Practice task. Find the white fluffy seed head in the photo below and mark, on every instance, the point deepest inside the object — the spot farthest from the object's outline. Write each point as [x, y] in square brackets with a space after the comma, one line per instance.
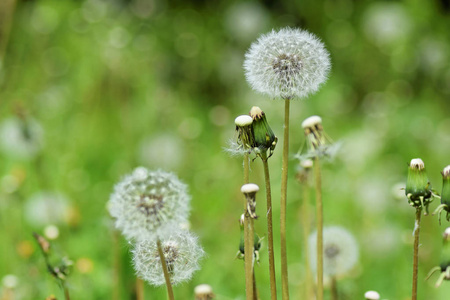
[249, 188]
[147, 203]
[182, 253]
[372, 295]
[51, 232]
[340, 251]
[243, 120]
[21, 138]
[446, 171]
[288, 63]
[417, 163]
[311, 122]
[10, 281]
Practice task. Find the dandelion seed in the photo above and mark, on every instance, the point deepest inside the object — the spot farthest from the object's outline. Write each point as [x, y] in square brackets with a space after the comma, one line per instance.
[147, 203]
[287, 63]
[182, 253]
[340, 251]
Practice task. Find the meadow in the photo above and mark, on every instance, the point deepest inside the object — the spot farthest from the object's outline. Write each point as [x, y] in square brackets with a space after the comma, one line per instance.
[115, 85]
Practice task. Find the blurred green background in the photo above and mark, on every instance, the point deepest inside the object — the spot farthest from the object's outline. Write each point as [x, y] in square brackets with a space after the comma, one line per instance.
[117, 84]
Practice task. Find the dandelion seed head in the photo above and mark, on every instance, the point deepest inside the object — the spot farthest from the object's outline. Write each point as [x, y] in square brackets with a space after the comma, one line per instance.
[10, 281]
[340, 251]
[287, 63]
[203, 292]
[372, 295]
[312, 121]
[147, 203]
[249, 188]
[45, 208]
[417, 163]
[182, 253]
[21, 138]
[446, 171]
[243, 120]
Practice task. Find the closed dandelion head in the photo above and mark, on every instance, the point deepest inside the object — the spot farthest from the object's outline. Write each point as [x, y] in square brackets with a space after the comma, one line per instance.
[21, 137]
[182, 253]
[245, 139]
[372, 295]
[318, 143]
[418, 188]
[264, 137]
[289, 63]
[340, 251]
[445, 195]
[444, 266]
[204, 292]
[146, 204]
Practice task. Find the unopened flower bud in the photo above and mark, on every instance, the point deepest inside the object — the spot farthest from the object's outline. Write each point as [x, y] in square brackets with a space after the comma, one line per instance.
[418, 188]
[249, 190]
[444, 266]
[264, 137]
[203, 292]
[372, 295]
[445, 195]
[244, 128]
[304, 170]
[314, 131]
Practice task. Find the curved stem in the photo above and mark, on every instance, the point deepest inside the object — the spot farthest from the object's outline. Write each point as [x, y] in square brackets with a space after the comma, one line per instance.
[319, 216]
[165, 270]
[273, 282]
[416, 253]
[284, 177]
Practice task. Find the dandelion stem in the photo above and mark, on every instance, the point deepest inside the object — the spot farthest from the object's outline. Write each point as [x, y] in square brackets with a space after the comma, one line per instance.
[319, 217]
[306, 230]
[273, 283]
[334, 290]
[248, 239]
[66, 292]
[165, 270]
[116, 266]
[255, 289]
[284, 177]
[139, 289]
[416, 252]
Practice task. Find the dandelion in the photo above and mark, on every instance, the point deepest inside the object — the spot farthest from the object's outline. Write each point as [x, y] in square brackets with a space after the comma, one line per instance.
[45, 207]
[203, 292]
[340, 251]
[445, 195]
[264, 137]
[146, 204]
[444, 266]
[20, 137]
[287, 63]
[371, 295]
[181, 251]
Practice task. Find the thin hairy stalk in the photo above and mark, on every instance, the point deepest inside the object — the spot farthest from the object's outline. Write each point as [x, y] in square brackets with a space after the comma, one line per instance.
[66, 292]
[284, 177]
[140, 289]
[248, 239]
[334, 290]
[416, 252]
[165, 270]
[7, 9]
[116, 266]
[319, 217]
[273, 282]
[306, 230]
[255, 289]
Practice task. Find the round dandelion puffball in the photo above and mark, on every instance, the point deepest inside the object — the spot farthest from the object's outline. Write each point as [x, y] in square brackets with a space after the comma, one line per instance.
[147, 203]
[21, 138]
[340, 251]
[289, 63]
[182, 253]
[47, 207]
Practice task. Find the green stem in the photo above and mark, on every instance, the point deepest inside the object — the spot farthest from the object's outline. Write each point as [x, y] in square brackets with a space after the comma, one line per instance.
[334, 290]
[66, 292]
[255, 289]
[306, 230]
[319, 216]
[116, 266]
[248, 239]
[6, 19]
[165, 270]
[273, 284]
[416, 252]
[140, 289]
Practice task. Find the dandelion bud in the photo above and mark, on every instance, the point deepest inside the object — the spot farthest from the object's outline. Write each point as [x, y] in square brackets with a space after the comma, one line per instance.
[304, 170]
[182, 253]
[249, 190]
[445, 195]
[264, 137]
[146, 204]
[371, 295]
[244, 128]
[444, 267]
[314, 132]
[256, 243]
[418, 188]
[203, 292]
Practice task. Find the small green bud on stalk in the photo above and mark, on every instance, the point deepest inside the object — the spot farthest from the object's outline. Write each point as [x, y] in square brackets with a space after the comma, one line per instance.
[418, 188]
[371, 295]
[203, 292]
[444, 266]
[256, 243]
[249, 190]
[265, 139]
[445, 195]
[245, 131]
